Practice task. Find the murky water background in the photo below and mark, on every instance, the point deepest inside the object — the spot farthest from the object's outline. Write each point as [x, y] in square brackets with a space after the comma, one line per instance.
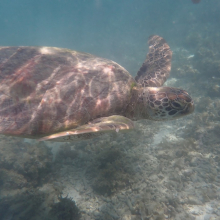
[163, 170]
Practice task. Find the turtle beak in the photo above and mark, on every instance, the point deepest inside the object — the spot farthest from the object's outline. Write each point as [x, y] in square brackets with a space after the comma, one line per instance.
[187, 103]
[189, 109]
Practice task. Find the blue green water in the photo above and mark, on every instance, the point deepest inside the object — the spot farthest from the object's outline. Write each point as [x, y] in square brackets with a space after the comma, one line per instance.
[163, 170]
[112, 29]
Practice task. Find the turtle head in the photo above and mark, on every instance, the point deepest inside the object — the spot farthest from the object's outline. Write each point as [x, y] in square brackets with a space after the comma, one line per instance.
[165, 103]
[159, 103]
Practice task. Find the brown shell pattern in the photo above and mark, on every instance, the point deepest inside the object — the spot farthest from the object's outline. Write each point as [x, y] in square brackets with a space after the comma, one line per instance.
[45, 90]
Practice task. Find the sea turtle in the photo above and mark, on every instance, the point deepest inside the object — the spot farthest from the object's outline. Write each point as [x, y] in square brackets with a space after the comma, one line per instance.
[58, 94]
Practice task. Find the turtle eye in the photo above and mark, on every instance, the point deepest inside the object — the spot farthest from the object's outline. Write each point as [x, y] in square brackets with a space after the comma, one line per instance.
[176, 105]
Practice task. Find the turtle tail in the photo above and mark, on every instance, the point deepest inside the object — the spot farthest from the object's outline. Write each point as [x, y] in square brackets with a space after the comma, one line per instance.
[156, 68]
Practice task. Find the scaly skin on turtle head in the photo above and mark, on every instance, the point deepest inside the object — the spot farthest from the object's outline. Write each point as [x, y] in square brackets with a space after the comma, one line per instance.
[159, 103]
[165, 103]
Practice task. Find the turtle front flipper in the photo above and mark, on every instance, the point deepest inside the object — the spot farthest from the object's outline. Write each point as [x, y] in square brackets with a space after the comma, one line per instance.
[156, 68]
[114, 123]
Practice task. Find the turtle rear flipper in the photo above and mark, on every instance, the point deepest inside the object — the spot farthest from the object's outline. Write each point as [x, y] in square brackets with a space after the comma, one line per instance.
[114, 123]
[156, 68]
